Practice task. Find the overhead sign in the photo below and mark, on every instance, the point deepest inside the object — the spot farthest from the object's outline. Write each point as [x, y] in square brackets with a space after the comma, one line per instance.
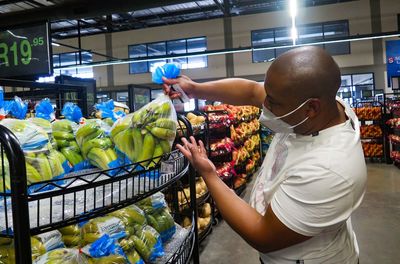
[25, 51]
[392, 59]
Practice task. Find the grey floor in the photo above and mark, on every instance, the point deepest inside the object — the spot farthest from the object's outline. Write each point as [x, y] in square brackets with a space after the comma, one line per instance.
[376, 223]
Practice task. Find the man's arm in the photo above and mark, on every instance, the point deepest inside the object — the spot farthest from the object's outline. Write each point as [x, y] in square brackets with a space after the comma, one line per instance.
[266, 232]
[235, 91]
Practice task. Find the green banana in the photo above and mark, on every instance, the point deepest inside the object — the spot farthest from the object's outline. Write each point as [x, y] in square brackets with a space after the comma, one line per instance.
[165, 123]
[55, 163]
[138, 143]
[62, 135]
[164, 109]
[124, 142]
[153, 222]
[99, 157]
[133, 256]
[32, 174]
[158, 152]
[62, 125]
[62, 143]
[72, 156]
[70, 230]
[37, 247]
[102, 143]
[141, 247]
[118, 128]
[111, 154]
[148, 149]
[163, 133]
[166, 147]
[74, 146]
[84, 131]
[71, 241]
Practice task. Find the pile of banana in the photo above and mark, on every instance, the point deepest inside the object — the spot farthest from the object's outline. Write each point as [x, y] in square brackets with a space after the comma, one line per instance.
[71, 235]
[7, 254]
[61, 256]
[46, 126]
[147, 134]
[42, 161]
[96, 146]
[63, 132]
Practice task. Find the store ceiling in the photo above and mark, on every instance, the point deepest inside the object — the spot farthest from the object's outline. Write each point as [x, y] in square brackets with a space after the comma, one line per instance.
[96, 17]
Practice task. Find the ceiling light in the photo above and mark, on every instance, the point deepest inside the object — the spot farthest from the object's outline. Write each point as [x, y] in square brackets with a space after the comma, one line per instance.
[293, 8]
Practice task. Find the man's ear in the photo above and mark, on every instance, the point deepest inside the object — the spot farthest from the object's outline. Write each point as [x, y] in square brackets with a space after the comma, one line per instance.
[313, 107]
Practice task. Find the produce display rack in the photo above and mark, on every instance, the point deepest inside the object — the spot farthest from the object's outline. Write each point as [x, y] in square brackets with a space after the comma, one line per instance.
[392, 135]
[372, 129]
[69, 201]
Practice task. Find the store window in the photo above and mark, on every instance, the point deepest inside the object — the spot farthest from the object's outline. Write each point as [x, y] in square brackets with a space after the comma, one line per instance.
[70, 59]
[308, 33]
[171, 47]
[357, 87]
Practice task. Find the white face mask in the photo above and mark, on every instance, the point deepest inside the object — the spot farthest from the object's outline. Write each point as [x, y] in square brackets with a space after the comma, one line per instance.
[275, 123]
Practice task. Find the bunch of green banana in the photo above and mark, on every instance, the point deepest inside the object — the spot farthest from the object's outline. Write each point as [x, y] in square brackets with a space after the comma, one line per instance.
[130, 215]
[96, 146]
[144, 241]
[38, 167]
[71, 235]
[61, 256]
[109, 121]
[97, 227]
[63, 132]
[133, 256]
[161, 220]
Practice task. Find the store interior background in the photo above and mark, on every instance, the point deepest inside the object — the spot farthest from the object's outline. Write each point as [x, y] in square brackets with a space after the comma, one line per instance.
[362, 68]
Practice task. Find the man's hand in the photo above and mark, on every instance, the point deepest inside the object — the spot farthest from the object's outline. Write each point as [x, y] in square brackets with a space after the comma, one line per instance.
[197, 156]
[183, 81]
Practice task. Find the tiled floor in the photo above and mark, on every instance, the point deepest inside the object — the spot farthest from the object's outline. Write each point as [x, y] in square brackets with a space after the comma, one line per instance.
[376, 222]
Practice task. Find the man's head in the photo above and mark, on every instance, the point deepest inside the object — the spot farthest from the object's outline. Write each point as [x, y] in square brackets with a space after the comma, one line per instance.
[301, 74]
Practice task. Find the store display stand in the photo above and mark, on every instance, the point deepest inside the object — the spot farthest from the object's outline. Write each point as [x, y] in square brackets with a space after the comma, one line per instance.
[26, 214]
[392, 135]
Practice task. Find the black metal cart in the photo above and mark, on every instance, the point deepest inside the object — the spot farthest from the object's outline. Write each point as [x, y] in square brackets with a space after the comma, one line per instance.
[85, 195]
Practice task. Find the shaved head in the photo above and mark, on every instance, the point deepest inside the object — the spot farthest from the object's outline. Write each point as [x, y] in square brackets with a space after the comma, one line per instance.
[306, 72]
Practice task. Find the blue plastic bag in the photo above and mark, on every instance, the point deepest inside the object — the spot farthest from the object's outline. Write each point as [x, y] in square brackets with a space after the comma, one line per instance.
[168, 70]
[18, 108]
[106, 110]
[45, 110]
[72, 112]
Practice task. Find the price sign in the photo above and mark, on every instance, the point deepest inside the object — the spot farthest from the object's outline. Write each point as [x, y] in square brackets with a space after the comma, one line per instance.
[25, 51]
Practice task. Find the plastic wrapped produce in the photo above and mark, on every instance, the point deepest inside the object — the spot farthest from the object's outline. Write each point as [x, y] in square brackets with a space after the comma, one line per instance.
[42, 162]
[96, 228]
[158, 216]
[72, 112]
[17, 108]
[130, 215]
[122, 136]
[50, 240]
[64, 133]
[71, 235]
[107, 110]
[96, 146]
[152, 129]
[46, 126]
[62, 256]
[148, 243]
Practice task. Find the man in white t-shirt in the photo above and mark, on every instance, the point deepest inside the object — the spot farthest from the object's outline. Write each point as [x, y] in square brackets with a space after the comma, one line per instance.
[314, 174]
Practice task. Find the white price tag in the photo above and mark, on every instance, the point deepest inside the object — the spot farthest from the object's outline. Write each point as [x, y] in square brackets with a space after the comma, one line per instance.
[167, 168]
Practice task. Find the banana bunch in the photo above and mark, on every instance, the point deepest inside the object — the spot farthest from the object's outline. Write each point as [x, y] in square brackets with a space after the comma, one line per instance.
[7, 255]
[63, 132]
[162, 222]
[152, 131]
[122, 136]
[71, 235]
[97, 227]
[96, 146]
[130, 216]
[146, 242]
[61, 256]
[43, 165]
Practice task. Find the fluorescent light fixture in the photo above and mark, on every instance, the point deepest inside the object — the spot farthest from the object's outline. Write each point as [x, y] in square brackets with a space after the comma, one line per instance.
[293, 34]
[293, 8]
[223, 52]
[55, 44]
